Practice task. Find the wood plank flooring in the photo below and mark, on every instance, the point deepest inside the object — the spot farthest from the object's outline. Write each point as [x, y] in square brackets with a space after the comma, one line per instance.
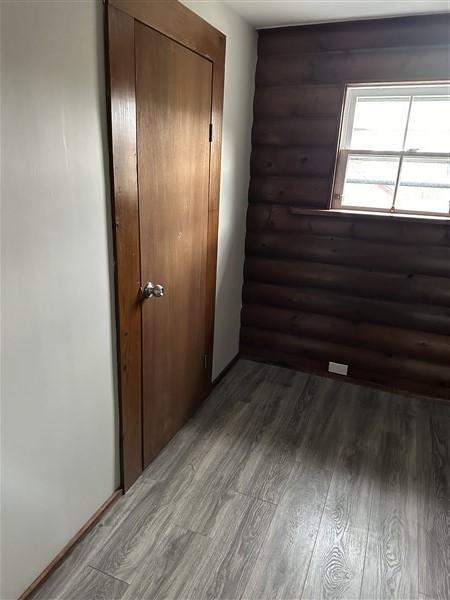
[283, 486]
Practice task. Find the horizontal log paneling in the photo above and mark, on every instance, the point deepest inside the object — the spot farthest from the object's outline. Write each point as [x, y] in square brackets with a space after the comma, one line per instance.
[387, 33]
[294, 191]
[421, 345]
[407, 287]
[372, 292]
[425, 260]
[395, 230]
[406, 64]
[298, 101]
[297, 161]
[405, 315]
[286, 131]
[370, 360]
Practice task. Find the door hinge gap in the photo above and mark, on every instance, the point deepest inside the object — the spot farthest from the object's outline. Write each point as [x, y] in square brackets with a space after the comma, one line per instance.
[205, 361]
[210, 132]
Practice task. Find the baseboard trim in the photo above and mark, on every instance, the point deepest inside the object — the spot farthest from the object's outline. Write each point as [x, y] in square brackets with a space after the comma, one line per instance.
[31, 589]
[225, 370]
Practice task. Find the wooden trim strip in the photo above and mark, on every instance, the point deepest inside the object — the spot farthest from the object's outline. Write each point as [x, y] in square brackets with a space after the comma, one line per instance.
[362, 214]
[125, 208]
[213, 210]
[65, 550]
[177, 22]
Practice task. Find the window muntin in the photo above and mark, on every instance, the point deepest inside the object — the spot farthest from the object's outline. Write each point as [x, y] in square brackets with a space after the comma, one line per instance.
[394, 153]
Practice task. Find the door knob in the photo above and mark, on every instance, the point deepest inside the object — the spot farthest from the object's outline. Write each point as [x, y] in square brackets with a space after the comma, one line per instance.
[152, 290]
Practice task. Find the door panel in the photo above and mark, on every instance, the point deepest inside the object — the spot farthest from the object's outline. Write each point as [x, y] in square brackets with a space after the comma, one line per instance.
[173, 110]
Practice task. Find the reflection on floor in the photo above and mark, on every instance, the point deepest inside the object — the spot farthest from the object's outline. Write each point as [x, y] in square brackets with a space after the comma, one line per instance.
[284, 485]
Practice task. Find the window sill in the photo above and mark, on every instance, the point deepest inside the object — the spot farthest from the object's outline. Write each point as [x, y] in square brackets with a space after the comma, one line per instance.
[363, 214]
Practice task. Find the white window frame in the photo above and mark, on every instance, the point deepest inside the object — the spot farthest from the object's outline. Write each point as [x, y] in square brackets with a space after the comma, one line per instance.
[352, 93]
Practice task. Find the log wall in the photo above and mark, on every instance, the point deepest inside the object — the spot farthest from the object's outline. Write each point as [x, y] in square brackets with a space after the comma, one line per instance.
[369, 291]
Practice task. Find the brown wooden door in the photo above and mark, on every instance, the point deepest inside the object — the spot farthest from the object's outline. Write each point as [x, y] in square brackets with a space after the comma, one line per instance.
[173, 110]
[165, 68]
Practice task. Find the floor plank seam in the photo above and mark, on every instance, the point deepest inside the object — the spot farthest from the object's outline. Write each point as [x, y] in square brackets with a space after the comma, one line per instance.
[107, 574]
[369, 518]
[318, 529]
[367, 541]
[416, 479]
[189, 530]
[263, 541]
[254, 497]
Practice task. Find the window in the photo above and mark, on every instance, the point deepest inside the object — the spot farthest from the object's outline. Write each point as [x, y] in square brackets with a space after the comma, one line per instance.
[394, 153]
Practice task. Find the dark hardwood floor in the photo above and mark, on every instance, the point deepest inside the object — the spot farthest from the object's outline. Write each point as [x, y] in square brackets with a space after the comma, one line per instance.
[283, 485]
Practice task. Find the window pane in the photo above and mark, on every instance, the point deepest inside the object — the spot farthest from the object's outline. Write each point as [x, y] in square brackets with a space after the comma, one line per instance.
[429, 124]
[370, 181]
[379, 123]
[424, 185]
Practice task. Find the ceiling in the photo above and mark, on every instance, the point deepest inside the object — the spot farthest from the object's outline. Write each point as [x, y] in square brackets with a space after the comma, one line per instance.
[276, 13]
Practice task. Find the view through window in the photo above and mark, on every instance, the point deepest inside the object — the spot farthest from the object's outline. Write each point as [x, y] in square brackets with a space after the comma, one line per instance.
[394, 153]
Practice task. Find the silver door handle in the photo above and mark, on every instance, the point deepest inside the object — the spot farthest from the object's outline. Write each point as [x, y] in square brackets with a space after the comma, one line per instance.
[151, 290]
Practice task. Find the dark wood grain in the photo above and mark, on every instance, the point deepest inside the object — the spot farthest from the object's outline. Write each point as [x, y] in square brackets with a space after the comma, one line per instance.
[207, 44]
[121, 72]
[420, 345]
[177, 22]
[319, 366]
[297, 161]
[173, 94]
[377, 33]
[318, 131]
[298, 101]
[346, 225]
[355, 357]
[294, 191]
[406, 287]
[429, 260]
[377, 269]
[420, 63]
[408, 316]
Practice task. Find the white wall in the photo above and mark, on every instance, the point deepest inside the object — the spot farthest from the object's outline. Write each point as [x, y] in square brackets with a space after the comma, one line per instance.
[240, 64]
[59, 443]
[59, 426]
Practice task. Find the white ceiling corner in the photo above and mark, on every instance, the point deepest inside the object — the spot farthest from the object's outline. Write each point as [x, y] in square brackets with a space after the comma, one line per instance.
[276, 13]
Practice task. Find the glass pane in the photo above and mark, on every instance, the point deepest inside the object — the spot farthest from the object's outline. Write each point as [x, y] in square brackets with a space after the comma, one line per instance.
[370, 181]
[429, 124]
[379, 123]
[424, 185]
